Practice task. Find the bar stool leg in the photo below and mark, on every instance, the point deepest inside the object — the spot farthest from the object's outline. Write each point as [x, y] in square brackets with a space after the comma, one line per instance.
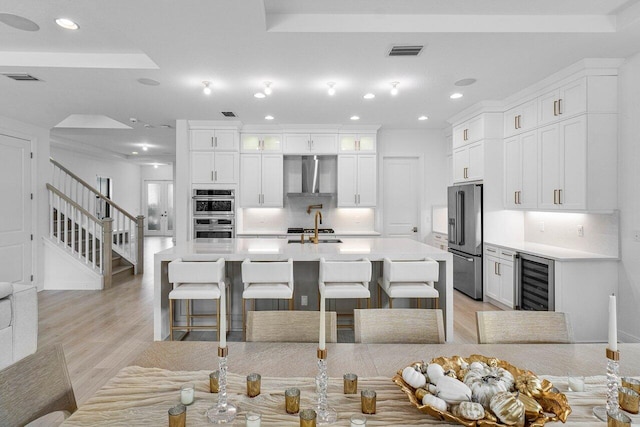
[244, 323]
[291, 304]
[437, 302]
[368, 302]
[419, 303]
[188, 328]
[170, 319]
[379, 297]
[390, 302]
[218, 316]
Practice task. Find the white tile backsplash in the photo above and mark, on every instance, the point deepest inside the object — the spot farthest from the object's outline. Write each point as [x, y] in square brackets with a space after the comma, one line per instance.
[601, 231]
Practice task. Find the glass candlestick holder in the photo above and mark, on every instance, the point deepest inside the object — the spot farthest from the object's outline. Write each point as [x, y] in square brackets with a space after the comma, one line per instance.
[224, 412]
[613, 375]
[326, 414]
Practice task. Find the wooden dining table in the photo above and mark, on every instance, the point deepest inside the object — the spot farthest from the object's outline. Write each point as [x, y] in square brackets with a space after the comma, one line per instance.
[142, 393]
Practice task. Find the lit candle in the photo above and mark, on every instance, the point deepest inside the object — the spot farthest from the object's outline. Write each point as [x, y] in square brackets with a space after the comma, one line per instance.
[613, 324]
[187, 393]
[323, 340]
[222, 329]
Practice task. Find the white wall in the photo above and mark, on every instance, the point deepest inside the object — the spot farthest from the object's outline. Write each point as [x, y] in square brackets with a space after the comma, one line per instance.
[430, 145]
[629, 199]
[125, 177]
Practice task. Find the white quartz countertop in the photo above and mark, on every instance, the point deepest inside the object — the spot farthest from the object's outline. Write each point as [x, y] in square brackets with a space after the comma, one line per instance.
[553, 252]
[373, 248]
[284, 233]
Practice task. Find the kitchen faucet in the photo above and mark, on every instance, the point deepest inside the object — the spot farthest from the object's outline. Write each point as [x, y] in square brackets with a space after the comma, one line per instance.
[314, 239]
[313, 207]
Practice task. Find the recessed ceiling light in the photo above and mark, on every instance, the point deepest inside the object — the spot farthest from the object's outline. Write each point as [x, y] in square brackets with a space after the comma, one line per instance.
[268, 117]
[207, 88]
[267, 88]
[145, 147]
[394, 88]
[355, 118]
[423, 118]
[148, 82]
[465, 82]
[155, 166]
[67, 24]
[456, 95]
[332, 89]
[369, 96]
[259, 95]
[134, 152]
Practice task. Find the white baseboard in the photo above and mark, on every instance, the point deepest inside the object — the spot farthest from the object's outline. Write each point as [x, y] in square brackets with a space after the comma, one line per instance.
[64, 272]
[627, 337]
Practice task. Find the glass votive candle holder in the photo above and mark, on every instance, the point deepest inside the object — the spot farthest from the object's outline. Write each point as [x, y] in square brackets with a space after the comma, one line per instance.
[631, 383]
[308, 418]
[350, 384]
[358, 420]
[629, 399]
[178, 416]
[618, 419]
[253, 385]
[253, 419]
[214, 381]
[575, 382]
[292, 400]
[187, 394]
[368, 401]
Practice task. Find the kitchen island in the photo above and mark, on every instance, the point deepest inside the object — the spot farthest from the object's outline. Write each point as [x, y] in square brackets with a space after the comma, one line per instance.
[305, 257]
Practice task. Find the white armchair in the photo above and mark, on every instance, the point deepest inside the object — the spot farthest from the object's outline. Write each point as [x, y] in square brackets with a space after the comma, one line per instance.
[18, 322]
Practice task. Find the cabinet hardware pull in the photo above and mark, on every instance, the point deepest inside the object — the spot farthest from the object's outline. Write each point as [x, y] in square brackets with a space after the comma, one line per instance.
[559, 106]
[216, 175]
[515, 122]
[312, 144]
[515, 197]
[499, 269]
[495, 268]
[258, 198]
[309, 144]
[555, 197]
[519, 194]
[519, 121]
[355, 199]
[491, 250]
[555, 108]
[212, 176]
[212, 141]
[216, 139]
[560, 196]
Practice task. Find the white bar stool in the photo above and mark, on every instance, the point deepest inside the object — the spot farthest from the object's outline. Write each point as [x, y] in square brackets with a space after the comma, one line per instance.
[345, 280]
[266, 280]
[409, 279]
[200, 280]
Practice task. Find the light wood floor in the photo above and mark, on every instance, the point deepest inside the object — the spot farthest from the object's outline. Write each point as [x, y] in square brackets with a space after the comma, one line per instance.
[103, 331]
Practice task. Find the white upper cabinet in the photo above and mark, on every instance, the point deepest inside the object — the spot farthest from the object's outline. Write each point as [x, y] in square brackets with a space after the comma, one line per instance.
[357, 180]
[250, 143]
[214, 139]
[468, 162]
[310, 143]
[261, 180]
[356, 143]
[563, 102]
[214, 167]
[521, 171]
[470, 131]
[521, 119]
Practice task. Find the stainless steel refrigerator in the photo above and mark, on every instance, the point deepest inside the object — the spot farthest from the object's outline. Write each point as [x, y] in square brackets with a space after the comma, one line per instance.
[465, 237]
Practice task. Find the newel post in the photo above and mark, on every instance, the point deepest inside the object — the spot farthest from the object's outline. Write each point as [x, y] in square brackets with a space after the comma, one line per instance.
[107, 242]
[140, 244]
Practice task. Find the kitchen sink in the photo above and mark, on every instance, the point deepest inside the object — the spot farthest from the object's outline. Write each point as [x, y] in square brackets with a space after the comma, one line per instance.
[306, 241]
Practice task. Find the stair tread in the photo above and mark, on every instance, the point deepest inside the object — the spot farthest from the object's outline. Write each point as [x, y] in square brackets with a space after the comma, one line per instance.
[121, 268]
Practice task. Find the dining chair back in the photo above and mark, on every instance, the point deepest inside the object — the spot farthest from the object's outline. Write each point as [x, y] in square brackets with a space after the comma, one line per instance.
[399, 325]
[523, 327]
[36, 386]
[290, 326]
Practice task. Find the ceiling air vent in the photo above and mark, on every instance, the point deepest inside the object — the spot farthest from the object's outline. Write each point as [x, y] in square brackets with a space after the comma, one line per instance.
[229, 114]
[405, 50]
[22, 77]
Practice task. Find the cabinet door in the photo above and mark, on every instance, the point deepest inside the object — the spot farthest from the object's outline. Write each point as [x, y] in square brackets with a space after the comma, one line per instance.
[225, 140]
[272, 142]
[512, 171]
[528, 116]
[573, 98]
[548, 107]
[528, 197]
[573, 174]
[367, 180]
[458, 135]
[297, 143]
[492, 278]
[460, 164]
[250, 180]
[550, 158]
[347, 180]
[475, 129]
[507, 292]
[203, 139]
[348, 143]
[324, 143]
[226, 167]
[511, 121]
[202, 167]
[272, 180]
[367, 143]
[475, 170]
[249, 143]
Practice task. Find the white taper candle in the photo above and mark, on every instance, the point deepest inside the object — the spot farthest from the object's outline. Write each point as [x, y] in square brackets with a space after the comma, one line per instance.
[323, 339]
[222, 330]
[613, 324]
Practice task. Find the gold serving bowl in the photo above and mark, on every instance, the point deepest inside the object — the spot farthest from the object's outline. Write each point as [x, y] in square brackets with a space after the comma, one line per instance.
[554, 405]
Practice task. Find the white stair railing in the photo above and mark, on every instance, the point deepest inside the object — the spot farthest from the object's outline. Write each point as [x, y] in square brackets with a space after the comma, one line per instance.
[127, 230]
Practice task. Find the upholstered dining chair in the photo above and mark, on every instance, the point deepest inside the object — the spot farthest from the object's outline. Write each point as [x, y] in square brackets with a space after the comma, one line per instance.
[266, 280]
[36, 386]
[197, 280]
[290, 326]
[399, 325]
[523, 327]
[409, 279]
[345, 280]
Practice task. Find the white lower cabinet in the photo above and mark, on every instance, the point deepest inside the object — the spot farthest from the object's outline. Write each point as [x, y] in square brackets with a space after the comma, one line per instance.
[357, 180]
[214, 167]
[468, 162]
[499, 280]
[261, 180]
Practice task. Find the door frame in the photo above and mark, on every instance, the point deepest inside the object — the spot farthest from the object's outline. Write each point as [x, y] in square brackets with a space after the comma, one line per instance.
[422, 232]
[145, 207]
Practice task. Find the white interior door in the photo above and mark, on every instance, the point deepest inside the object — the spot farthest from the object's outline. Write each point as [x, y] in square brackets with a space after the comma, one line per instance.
[159, 208]
[15, 210]
[401, 195]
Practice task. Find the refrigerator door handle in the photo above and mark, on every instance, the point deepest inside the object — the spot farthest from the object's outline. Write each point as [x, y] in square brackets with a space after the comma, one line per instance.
[460, 218]
[463, 257]
[452, 231]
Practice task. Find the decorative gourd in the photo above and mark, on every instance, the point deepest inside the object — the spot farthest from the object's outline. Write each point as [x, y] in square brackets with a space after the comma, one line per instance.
[432, 388]
[477, 365]
[532, 408]
[420, 393]
[530, 385]
[508, 408]
[486, 382]
[434, 372]
[414, 378]
[452, 391]
[469, 411]
[434, 402]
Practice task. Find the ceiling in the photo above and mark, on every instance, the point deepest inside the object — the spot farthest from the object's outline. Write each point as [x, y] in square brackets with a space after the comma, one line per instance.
[299, 46]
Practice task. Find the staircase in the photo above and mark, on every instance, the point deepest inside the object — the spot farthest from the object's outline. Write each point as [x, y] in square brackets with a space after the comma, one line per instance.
[77, 227]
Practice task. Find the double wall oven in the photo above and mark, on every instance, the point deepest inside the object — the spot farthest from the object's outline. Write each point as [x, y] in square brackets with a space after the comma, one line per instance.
[213, 214]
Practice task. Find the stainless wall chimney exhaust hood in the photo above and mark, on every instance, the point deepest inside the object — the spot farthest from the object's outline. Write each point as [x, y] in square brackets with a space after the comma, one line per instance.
[310, 178]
